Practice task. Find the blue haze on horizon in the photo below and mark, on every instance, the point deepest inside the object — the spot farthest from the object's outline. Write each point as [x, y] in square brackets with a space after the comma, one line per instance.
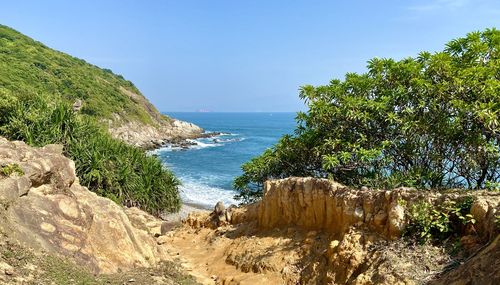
[242, 55]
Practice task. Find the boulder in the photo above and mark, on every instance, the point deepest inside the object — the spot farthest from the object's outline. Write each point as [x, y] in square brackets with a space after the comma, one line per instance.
[46, 208]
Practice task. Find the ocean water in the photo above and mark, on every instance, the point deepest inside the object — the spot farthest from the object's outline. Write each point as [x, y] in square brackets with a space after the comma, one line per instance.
[207, 169]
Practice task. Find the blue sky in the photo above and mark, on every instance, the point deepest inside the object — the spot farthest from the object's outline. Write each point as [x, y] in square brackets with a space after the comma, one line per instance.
[242, 55]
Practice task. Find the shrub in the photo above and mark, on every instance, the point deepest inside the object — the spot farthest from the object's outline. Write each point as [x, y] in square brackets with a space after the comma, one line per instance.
[429, 222]
[105, 165]
[426, 122]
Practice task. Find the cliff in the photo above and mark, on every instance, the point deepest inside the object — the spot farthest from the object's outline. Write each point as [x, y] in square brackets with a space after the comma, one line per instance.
[321, 204]
[28, 67]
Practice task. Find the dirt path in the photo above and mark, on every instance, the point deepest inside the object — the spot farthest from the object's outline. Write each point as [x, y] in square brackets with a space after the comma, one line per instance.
[203, 254]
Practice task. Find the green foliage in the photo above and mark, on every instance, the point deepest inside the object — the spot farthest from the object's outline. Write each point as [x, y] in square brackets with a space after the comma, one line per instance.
[426, 122]
[105, 165]
[12, 168]
[428, 222]
[29, 67]
[492, 186]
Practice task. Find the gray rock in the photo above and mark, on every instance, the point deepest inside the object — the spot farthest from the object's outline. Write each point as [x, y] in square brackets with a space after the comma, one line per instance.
[77, 105]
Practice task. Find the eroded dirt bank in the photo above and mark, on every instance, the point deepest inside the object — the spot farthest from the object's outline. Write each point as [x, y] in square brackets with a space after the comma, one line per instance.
[314, 231]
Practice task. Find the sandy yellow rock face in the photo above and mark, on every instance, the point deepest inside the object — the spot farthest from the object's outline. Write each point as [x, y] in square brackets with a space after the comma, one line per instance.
[47, 208]
[321, 204]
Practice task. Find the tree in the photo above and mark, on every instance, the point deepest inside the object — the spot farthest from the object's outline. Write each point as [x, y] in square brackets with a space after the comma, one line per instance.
[427, 122]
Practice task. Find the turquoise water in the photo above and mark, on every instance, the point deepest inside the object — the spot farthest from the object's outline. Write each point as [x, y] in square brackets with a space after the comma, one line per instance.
[207, 169]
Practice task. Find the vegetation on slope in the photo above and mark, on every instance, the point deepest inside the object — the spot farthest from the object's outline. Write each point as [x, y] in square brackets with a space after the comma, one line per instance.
[105, 165]
[37, 88]
[28, 66]
[427, 122]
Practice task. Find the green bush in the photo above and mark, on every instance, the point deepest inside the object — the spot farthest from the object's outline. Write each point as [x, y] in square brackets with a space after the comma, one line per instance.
[428, 222]
[105, 165]
[426, 122]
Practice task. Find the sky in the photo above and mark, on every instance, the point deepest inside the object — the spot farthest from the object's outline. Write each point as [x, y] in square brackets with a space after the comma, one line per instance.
[242, 56]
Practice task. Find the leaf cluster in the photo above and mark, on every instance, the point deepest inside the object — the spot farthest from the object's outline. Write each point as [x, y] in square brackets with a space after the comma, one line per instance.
[11, 168]
[428, 222]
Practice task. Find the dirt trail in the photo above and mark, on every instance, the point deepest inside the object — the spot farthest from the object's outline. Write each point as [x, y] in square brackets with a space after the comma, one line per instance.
[204, 255]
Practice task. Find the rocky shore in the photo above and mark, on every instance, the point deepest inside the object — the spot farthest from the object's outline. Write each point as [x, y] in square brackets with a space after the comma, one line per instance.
[182, 143]
[155, 136]
[174, 133]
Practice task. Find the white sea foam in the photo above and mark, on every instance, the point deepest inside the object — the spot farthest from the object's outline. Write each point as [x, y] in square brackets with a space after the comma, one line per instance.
[222, 134]
[196, 144]
[200, 143]
[198, 193]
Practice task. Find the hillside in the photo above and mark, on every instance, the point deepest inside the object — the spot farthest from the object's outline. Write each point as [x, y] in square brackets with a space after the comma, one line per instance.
[30, 67]
[48, 97]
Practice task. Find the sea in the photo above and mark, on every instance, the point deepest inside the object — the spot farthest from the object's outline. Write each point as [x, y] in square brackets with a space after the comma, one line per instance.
[207, 169]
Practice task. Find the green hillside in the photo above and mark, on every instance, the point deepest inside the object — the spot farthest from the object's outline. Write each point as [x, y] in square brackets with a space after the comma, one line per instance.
[30, 67]
[38, 87]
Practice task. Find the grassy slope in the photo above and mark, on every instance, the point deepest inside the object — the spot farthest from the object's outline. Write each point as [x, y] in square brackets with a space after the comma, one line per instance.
[28, 66]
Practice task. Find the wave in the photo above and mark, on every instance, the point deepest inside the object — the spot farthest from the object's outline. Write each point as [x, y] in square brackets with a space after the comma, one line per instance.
[201, 143]
[221, 134]
[204, 195]
[221, 140]
[195, 144]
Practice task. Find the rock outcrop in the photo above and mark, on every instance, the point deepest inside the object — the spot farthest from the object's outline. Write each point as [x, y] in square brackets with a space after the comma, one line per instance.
[316, 231]
[162, 129]
[44, 207]
[321, 204]
[153, 136]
